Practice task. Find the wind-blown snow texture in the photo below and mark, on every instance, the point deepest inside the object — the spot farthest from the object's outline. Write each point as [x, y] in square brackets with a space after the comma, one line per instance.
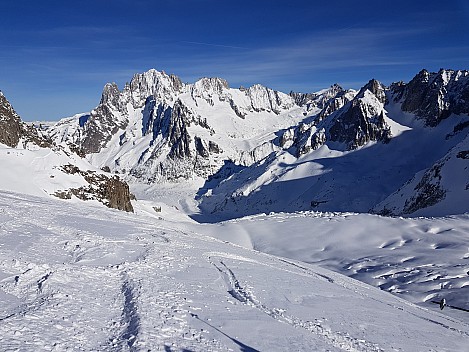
[87, 278]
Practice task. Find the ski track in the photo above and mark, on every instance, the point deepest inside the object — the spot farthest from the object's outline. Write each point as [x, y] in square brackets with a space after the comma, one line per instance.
[335, 339]
[67, 297]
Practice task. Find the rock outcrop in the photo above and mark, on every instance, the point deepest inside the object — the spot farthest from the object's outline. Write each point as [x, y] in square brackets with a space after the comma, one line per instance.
[109, 190]
[363, 121]
[10, 123]
[13, 130]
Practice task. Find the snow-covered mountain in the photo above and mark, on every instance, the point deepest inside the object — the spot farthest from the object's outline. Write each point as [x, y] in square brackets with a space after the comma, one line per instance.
[357, 156]
[260, 150]
[32, 164]
[158, 128]
[77, 276]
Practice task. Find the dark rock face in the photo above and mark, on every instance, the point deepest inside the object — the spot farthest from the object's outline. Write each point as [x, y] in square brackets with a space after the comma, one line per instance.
[118, 194]
[204, 149]
[31, 134]
[10, 123]
[334, 104]
[12, 129]
[363, 120]
[434, 96]
[99, 129]
[356, 127]
[463, 154]
[428, 191]
[214, 148]
[111, 191]
[179, 138]
[201, 148]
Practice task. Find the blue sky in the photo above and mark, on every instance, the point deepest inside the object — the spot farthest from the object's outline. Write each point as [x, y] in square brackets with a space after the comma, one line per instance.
[56, 56]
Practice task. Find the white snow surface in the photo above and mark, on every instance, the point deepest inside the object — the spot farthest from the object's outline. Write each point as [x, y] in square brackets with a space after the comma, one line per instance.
[37, 171]
[89, 278]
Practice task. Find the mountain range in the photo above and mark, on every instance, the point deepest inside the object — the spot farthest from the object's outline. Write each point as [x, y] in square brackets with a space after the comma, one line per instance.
[397, 150]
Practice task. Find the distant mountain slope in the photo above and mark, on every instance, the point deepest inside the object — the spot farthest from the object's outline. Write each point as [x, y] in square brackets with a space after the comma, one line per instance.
[32, 164]
[442, 188]
[354, 158]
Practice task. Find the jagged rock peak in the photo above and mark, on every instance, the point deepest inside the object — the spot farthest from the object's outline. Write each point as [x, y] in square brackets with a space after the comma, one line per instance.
[375, 87]
[215, 83]
[153, 83]
[206, 88]
[433, 97]
[110, 94]
[267, 99]
[318, 98]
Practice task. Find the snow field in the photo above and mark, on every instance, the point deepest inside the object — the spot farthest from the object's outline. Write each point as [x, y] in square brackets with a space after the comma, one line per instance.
[88, 278]
[421, 259]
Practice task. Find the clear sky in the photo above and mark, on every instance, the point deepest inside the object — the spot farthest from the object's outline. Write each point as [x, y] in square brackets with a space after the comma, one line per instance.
[56, 56]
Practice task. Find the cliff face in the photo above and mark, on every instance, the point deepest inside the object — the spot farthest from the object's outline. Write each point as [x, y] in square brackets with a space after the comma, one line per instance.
[433, 97]
[363, 121]
[10, 123]
[109, 190]
[118, 194]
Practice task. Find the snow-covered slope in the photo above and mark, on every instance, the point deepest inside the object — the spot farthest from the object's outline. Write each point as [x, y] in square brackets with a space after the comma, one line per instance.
[441, 189]
[419, 259]
[88, 278]
[32, 164]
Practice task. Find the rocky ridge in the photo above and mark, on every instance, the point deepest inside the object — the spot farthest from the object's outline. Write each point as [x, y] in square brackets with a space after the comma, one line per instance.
[345, 117]
[434, 97]
[110, 191]
[13, 131]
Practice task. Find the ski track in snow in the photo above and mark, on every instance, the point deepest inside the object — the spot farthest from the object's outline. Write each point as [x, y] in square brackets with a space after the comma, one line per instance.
[336, 339]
